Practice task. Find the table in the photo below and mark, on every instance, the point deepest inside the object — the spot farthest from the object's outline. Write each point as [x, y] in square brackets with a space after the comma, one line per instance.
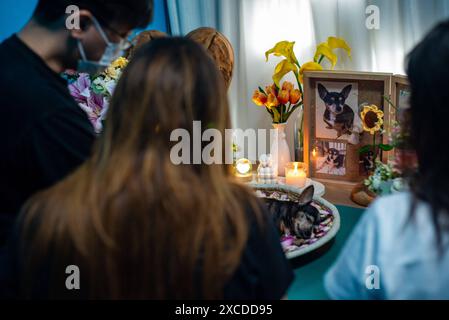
[308, 283]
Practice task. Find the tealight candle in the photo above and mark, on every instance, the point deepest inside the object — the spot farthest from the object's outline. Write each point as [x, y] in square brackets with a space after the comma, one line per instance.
[295, 174]
[244, 169]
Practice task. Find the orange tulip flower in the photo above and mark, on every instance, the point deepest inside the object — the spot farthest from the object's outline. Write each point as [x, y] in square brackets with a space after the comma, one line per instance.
[272, 101]
[284, 96]
[287, 86]
[271, 90]
[295, 96]
[259, 98]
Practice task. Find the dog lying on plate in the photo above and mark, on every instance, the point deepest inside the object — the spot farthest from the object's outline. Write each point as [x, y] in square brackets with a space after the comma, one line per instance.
[297, 219]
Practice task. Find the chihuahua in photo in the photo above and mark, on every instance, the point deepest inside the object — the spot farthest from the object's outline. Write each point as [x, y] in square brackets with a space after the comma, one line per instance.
[295, 218]
[338, 115]
[368, 161]
[334, 160]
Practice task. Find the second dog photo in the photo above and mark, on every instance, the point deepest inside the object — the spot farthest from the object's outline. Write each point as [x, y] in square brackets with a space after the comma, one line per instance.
[331, 158]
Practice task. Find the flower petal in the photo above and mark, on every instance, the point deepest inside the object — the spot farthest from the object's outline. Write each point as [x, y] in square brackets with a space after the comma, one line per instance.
[323, 49]
[282, 69]
[339, 43]
[309, 66]
[283, 49]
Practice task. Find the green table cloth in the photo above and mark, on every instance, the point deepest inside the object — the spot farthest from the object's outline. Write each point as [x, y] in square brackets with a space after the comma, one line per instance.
[308, 284]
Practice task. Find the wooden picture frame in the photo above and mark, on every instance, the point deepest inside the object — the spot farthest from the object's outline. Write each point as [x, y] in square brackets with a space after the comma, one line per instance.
[400, 97]
[366, 88]
[399, 84]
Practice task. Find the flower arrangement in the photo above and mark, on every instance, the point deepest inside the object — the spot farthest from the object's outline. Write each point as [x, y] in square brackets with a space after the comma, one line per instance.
[281, 101]
[384, 180]
[93, 93]
[372, 122]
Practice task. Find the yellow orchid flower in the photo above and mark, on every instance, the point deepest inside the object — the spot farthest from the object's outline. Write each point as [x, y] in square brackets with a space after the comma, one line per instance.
[323, 49]
[283, 49]
[282, 69]
[339, 43]
[309, 66]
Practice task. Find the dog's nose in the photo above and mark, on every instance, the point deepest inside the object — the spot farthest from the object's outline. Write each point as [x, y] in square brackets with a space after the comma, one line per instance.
[339, 109]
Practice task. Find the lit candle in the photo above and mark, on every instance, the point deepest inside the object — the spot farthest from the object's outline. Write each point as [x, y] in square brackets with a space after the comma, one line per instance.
[244, 169]
[314, 153]
[295, 175]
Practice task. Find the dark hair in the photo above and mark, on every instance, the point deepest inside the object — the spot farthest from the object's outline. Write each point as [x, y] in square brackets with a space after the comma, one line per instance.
[429, 79]
[133, 13]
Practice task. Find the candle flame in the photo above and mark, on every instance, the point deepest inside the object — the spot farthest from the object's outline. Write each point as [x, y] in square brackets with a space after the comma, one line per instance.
[296, 171]
[314, 153]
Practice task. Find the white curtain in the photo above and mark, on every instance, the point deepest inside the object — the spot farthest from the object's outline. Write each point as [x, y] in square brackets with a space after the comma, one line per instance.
[253, 26]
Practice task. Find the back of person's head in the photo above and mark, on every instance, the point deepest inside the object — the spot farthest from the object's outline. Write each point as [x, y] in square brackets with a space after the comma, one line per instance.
[142, 39]
[130, 13]
[136, 224]
[219, 48]
[429, 79]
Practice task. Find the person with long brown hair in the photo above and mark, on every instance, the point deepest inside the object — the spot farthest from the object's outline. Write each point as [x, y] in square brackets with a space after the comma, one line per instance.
[135, 225]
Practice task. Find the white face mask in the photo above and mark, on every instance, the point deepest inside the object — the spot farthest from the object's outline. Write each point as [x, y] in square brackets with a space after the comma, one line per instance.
[112, 52]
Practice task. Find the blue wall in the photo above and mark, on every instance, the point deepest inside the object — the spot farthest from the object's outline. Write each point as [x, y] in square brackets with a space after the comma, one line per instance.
[15, 13]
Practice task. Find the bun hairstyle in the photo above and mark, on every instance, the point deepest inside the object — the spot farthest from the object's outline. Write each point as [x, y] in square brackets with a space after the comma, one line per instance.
[143, 38]
[219, 48]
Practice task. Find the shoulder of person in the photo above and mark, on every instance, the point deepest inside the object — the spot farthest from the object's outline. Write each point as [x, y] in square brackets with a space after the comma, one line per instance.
[396, 221]
[393, 208]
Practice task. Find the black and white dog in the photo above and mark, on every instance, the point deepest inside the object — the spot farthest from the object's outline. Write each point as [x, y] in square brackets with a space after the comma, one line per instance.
[295, 218]
[338, 115]
[368, 161]
[334, 160]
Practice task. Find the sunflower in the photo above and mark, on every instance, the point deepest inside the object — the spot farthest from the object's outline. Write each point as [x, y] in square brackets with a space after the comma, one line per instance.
[372, 119]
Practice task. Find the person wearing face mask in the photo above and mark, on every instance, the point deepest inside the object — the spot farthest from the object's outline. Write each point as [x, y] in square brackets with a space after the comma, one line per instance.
[45, 136]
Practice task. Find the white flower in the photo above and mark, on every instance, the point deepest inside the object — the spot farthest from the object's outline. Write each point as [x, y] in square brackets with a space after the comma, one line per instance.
[110, 86]
[376, 182]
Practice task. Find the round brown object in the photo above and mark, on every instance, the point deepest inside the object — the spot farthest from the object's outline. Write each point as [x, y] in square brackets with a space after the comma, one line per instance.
[143, 38]
[219, 48]
[362, 195]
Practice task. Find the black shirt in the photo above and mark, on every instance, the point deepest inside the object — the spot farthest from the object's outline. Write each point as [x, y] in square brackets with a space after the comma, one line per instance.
[44, 134]
[263, 272]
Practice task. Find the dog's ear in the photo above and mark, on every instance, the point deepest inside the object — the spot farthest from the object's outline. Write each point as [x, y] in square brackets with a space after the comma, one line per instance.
[346, 91]
[307, 196]
[322, 91]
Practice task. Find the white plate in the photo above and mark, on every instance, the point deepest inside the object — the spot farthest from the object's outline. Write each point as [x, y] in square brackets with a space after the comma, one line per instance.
[320, 189]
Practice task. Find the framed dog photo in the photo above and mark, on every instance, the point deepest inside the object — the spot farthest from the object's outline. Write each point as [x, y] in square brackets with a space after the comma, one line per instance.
[330, 158]
[336, 106]
[333, 127]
